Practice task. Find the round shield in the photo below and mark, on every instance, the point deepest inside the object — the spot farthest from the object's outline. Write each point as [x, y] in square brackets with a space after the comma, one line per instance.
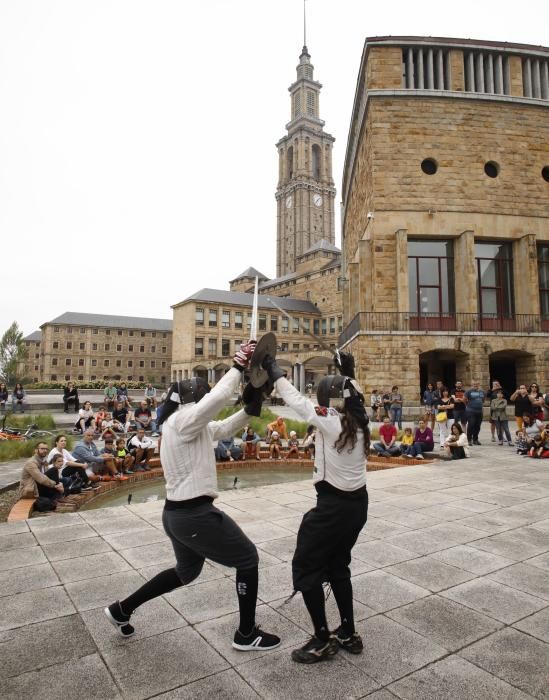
[266, 345]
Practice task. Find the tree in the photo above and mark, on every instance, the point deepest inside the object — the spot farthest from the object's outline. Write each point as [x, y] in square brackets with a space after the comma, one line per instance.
[12, 352]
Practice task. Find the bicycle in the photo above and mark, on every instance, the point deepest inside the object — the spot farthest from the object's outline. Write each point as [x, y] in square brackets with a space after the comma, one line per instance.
[31, 433]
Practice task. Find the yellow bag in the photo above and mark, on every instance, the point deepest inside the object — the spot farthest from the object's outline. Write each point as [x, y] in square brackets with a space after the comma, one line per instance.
[442, 417]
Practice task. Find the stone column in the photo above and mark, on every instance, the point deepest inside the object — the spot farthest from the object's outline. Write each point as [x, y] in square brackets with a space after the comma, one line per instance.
[525, 273]
[457, 76]
[401, 283]
[302, 378]
[465, 273]
[515, 75]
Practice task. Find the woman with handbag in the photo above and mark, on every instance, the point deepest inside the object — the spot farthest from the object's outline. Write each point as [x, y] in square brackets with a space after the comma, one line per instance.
[445, 416]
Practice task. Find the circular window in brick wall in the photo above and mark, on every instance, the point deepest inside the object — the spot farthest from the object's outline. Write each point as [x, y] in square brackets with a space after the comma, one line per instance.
[545, 173]
[491, 169]
[429, 166]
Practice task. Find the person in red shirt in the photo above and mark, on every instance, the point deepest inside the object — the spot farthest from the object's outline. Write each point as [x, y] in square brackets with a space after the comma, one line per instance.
[386, 447]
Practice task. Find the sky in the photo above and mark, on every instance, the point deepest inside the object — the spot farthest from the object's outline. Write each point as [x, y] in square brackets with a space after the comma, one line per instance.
[137, 137]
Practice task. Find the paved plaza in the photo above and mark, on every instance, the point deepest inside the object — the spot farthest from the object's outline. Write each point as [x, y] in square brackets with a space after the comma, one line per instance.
[450, 576]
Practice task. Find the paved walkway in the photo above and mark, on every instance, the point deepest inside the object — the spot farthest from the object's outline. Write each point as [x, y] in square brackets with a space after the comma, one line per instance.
[450, 576]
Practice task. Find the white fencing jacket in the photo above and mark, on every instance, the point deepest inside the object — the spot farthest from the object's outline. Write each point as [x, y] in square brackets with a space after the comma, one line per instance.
[345, 470]
[186, 451]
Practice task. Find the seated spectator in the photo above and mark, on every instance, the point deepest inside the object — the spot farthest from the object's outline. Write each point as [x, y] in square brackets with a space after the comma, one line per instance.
[275, 446]
[33, 476]
[407, 440]
[150, 395]
[70, 395]
[540, 445]
[279, 426]
[143, 417]
[532, 428]
[122, 415]
[111, 426]
[423, 441]
[53, 472]
[309, 442]
[3, 397]
[70, 466]
[386, 447]
[86, 452]
[110, 452]
[456, 443]
[293, 446]
[99, 418]
[18, 399]
[227, 450]
[85, 419]
[250, 443]
[123, 460]
[122, 395]
[110, 394]
[141, 449]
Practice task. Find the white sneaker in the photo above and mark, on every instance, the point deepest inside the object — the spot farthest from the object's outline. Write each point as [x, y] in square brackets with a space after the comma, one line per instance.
[420, 457]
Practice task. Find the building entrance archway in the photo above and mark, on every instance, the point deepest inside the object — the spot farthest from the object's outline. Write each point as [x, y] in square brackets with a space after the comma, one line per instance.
[511, 368]
[444, 365]
[200, 371]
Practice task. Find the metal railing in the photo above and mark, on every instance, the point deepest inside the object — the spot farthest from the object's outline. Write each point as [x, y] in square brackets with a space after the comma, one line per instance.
[375, 321]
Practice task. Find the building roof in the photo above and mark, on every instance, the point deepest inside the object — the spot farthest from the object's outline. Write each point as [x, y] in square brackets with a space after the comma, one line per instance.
[35, 336]
[250, 272]
[323, 244]
[220, 296]
[504, 45]
[75, 318]
[278, 280]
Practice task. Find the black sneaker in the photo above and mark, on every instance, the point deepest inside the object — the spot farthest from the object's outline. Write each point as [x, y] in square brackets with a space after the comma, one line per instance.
[88, 487]
[257, 640]
[120, 620]
[476, 442]
[350, 642]
[316, 650]
[470, 443]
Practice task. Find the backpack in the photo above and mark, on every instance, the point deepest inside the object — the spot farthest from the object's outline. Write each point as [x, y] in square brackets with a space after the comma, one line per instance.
[44, 505]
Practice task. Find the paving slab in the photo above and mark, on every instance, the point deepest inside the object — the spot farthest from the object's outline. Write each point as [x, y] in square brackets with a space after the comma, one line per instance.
[75, 548]
[90, 567]
[380, 553]
[206, 600]
[18, 541]
[226, 685]
[34, 606]
[13, 528]
[147, 534]
[430, 573]
[382, 591]
[18, 558]
[67, 533]
[95, 592]
[470, 559]
[524, 577]
[30, 578]
[149, 554]
[537, 625]
[295, 610]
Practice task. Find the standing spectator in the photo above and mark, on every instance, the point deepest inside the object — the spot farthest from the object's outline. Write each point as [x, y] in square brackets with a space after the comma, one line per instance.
[423, 441]
[122, 415]
[293, 446]
[430, 399]
[536, 397]
[86, 452]
[456, 442]
[227, 450]
[250, 443]
[386, 447]
[386, 401]
[142, 450]
[275, 446]
[150, 395]
[279, 426]
[122, 395]
[458, 397]
[396, 407]
[474, 399]
[85, 418]
[3, 397]
[523, 405]
[375, 404]
[492, 394]
[18, 398]
[70, 466]
[143, 417]
[110, 394]
[70, 395]
[33, 475]
[445, 416]
[498, 415]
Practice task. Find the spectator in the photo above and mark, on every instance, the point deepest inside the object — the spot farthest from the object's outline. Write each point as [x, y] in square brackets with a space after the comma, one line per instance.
[278, 426]
[498, 416]
[110, 394]
[293, 446]
[85, 419]
[445, 416]
[109, 451]
[309, 442]
[458, 397]
[53, 472]
[111, 426]
[70, 466]
[18, 398]
[123, 460]
[456, 442]
[86, 452]
[532, 428]
[386, 401]
[99, 417]
[122, 395]
[70, 395]
[423, 441]
[546, 406]
[143, 417]
[523, 405]
[492, 394]
[540, 446]
[3, 397]
[375, 405]
[122, 414]
[33, 476]
[227, 450]
[150, 395]
[142, 450]
[407, 440]
[536, 397]
[474, 399]
[430, 399]
[386, 447]
[396, 407]
[250, 443]
[275, 446]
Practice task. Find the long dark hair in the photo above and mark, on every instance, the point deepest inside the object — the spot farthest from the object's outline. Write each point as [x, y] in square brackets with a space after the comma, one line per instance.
[349, 428]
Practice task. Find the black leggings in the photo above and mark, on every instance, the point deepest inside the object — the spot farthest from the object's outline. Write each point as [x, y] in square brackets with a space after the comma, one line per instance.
[474, 421]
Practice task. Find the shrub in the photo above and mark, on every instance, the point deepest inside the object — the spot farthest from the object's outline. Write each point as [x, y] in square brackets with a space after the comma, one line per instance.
[259, 424]
[11, 450]
[43, 422]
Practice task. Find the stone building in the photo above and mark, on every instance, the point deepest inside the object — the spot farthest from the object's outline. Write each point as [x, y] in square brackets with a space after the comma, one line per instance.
[87, 347]
[445, 232]
[30, 370]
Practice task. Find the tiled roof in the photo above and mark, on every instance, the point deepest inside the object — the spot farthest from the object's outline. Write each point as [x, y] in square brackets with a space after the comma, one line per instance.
[323, 244]
[35, 336]
[278, 280]
[74, 318]
[220, 296]
[250, 272]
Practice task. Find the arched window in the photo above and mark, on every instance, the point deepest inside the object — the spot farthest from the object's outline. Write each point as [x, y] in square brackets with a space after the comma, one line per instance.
[290, 162]
[316, 162]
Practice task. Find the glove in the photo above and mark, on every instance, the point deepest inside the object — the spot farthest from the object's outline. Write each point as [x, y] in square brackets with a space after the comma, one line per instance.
[241, 359]
[274, 371]
[345, 364]
[252, 399]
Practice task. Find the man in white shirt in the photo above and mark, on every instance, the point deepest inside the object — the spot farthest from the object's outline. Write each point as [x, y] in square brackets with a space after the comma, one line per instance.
[142, 449]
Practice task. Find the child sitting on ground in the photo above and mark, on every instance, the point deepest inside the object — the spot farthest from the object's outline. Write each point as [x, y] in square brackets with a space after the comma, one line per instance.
[293, 446]
[407, 440]
[275, 446]
[123, 460]
[521, 442]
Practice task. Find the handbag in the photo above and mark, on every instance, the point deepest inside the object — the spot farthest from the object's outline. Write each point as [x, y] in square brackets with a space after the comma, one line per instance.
[441, 417]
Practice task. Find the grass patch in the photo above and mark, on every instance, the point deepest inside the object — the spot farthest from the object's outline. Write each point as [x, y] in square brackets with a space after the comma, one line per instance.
[11, 450]
[43, 422]
[259, 424]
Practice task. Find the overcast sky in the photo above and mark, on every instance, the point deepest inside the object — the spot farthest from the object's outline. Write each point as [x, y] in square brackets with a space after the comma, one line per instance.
[137, 138]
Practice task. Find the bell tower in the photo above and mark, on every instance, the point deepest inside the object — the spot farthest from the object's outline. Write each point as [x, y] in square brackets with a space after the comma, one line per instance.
[305, 194]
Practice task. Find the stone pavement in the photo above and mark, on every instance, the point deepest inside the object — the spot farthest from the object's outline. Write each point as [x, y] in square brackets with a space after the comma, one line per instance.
[450, 577]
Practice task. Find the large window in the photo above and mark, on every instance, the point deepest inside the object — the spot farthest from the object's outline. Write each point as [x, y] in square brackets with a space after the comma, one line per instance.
[212, 318]
[199, 317]
[225, 319]
[199, 346]
[495, 280]
[543, 274]
[431, 283]
[238, 319]
[212, 347]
